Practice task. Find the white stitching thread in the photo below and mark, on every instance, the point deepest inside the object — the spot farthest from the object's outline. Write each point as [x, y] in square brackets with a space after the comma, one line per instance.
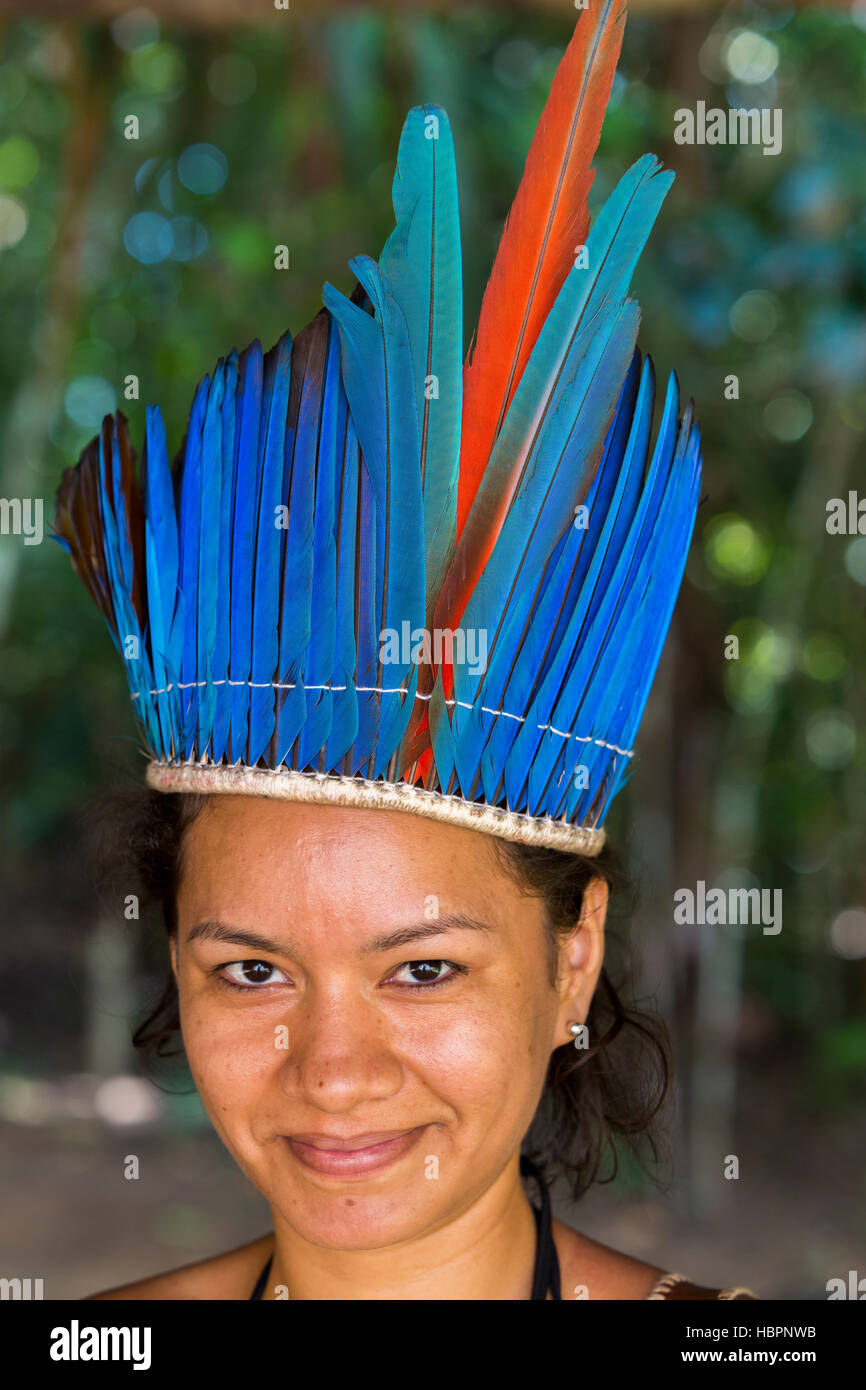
[393, 690]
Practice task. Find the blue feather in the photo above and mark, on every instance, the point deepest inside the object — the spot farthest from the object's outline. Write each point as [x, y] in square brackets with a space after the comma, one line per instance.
[581, 407]
[575, 586]
[618, 236]
[208, 556]
[268, 549]
[377, 371]
[370, 572]
[189, 530]
[623, 628]
[120, 563]
[662, 568]
[302, 442]
[582, 698]
[222, 634]
[165, 615]
[421, 261]
[344, 724]
[322, 601]
[363, 371]
[245, 492]
[534, 649]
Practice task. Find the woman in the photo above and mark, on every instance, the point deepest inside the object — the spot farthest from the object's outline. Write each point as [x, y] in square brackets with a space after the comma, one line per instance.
[389, 628]
[376, 1097]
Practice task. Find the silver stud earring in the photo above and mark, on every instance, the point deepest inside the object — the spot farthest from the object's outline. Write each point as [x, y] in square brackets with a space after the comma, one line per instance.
[575, 1029]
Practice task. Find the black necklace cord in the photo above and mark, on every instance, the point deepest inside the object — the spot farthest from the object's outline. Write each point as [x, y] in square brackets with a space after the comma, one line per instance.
[546, 1275]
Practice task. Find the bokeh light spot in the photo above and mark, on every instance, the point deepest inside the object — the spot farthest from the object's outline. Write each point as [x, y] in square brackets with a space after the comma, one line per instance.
[734, 549]
[88, 399]
[754, 317]
[19, 162]
[158, 68]
[822, 657]
[190, 238]
[148, 237]
[13, 221]
[788, 416]
[135, 29]
[202, 168]
[855, 560]
[831, 739]
[750, 57]
[126, 1100]
[848, 933]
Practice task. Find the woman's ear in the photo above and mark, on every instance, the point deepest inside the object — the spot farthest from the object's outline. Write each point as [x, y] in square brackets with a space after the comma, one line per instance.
[172, 946]
[581, 956]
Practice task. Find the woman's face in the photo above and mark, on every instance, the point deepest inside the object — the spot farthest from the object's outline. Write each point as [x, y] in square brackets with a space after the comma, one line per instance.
[366, 1009]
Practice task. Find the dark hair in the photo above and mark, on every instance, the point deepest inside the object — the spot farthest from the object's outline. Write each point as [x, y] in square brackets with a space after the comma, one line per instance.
[613, 1089]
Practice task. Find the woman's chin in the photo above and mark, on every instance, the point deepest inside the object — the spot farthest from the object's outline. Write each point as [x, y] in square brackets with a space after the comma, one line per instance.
[358, 1217]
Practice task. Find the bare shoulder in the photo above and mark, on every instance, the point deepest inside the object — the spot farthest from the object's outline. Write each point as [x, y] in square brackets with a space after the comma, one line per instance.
[222, 1277]
[601, 1271]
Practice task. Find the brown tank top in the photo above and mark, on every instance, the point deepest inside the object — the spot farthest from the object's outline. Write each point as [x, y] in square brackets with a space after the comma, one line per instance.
[674, 1286]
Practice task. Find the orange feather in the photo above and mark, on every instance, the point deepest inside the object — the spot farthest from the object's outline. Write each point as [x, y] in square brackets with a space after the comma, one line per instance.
[549, 219]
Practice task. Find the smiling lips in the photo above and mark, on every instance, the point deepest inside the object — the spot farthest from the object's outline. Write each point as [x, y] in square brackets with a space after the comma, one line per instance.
[364, 1153]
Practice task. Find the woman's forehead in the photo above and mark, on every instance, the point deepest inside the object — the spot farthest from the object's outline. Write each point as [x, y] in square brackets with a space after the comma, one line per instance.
[255, 852]
[296, 827]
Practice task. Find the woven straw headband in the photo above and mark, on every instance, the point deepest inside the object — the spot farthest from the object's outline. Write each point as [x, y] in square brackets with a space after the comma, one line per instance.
[316, 787]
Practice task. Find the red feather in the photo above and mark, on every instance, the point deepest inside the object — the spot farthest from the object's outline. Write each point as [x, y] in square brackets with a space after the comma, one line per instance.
[549, 219]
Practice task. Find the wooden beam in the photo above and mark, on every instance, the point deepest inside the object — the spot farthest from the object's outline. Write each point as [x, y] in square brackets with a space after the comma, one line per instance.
[223, 14]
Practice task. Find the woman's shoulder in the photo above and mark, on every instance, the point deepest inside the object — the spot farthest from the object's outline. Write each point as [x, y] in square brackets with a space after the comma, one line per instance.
[589, 1269]
[222, 1277]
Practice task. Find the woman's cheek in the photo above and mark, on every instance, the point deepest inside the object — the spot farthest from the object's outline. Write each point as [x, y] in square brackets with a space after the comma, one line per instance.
[226, 1049]
[492, 1062]
[472, 1054]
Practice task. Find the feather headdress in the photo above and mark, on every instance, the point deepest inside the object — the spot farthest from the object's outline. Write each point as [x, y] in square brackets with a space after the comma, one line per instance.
[378, 575]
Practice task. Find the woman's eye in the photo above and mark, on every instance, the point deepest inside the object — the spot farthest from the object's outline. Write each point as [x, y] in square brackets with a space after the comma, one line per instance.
[247, 974]
[417, 973]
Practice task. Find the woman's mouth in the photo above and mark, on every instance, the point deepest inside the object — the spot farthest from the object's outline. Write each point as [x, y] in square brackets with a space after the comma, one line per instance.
[363, 1153]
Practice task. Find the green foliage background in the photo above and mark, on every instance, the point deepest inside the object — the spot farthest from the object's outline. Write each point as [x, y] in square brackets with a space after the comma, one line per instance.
[757, 267]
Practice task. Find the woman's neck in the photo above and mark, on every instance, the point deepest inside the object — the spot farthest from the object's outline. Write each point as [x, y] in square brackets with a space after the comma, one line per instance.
[485, 1252]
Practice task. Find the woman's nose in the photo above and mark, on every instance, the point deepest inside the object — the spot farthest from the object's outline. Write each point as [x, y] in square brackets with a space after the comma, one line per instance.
[339, 1050]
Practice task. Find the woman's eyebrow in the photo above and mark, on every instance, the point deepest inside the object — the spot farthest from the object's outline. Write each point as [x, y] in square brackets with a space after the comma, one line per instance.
[449, 921]
[214, 930]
